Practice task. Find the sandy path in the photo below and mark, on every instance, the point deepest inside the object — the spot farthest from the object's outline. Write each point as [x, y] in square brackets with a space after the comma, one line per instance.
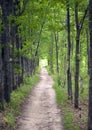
[41, 111]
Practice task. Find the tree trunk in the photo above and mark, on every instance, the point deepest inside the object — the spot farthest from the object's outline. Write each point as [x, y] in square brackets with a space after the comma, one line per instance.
[76, 102]
[1, 78]
[56, 42]
[69, 83]
[90, 69]
[77, 56]
[5, 41]
[51, 54]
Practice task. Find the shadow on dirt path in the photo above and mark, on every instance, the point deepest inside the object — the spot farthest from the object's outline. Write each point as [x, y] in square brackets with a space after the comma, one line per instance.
[41, 111]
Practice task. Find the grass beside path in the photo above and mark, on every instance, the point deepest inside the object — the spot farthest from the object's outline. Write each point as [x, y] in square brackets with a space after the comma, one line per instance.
[71, 117]
[17, 98]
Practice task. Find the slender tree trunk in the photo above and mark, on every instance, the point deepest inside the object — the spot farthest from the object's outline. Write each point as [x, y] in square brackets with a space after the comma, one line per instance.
[1, 78]
[77, 56]
[1, 75]
[90, 69]
[69, 83]
[76, 102]
[12, 56]
[56, 42]
[22, 66]
[51, 54]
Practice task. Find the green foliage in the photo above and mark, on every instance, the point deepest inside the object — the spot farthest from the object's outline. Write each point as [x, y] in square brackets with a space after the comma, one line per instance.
[17, 69]
[9, 120]
[71, 118]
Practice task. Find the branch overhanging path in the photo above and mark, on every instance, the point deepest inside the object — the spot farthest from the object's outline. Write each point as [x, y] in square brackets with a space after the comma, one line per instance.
[41, 111]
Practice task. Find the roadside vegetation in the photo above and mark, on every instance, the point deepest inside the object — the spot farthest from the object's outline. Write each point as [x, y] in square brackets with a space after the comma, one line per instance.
[18, 97]
[73, 119]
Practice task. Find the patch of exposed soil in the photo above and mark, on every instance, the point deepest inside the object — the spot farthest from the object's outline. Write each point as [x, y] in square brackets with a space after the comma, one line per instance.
[40, 111]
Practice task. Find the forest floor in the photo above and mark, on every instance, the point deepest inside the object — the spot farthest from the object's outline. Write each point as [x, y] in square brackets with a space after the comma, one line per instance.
[40, 111]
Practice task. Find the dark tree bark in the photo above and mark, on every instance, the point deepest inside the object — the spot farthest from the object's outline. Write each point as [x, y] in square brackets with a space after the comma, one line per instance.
[51, 53]
[18, 45]
[56, 43]
[1, 74]
[90, 69]
[77, 54]
[22, 66]
[77, 58]
[11, 41]
[69, 83]
[5, 4]
[1, 78]
[12, 57]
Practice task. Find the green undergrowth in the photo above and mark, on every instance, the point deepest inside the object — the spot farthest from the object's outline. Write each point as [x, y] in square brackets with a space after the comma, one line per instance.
[65, 105]
[17, 98]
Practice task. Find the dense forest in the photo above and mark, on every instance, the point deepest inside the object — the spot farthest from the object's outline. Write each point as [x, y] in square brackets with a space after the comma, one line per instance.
[58, 31]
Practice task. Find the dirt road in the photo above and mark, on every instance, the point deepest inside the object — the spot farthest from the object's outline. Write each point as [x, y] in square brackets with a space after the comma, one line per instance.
[41, 111]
